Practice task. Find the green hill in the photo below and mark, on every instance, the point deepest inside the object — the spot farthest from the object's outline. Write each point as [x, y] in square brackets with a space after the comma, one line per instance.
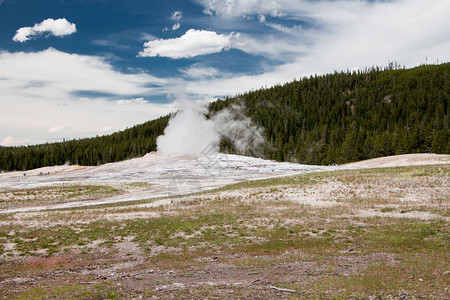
[335, 118]
[344, 117]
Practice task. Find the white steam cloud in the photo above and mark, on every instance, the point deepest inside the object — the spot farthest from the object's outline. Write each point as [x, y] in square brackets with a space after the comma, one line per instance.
[190, 132]
[246, 137]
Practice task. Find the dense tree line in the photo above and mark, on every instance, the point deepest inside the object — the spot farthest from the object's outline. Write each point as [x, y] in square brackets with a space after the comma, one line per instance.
[350, 116]
[336, 118]
[132, 142]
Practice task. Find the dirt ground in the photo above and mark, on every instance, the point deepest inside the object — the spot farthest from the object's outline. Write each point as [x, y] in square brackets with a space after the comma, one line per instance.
[405, 160]
[359, 232]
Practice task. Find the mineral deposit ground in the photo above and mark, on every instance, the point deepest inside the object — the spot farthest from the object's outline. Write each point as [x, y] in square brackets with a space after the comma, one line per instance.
[227, 226]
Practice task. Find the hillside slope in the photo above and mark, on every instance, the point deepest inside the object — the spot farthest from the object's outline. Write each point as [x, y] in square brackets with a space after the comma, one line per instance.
[345, 117]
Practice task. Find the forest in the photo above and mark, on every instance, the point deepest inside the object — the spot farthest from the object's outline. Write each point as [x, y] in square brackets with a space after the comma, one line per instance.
[126, 144]
[350, 116]
[335, 118]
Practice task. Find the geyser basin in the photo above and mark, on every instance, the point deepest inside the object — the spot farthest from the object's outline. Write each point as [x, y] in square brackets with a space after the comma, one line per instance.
[168, 175]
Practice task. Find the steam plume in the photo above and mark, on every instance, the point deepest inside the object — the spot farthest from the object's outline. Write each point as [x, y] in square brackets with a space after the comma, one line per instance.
[190, 132]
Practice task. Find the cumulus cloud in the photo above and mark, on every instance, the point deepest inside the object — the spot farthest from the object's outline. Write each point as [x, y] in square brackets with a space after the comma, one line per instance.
[59, 27]
[176, 16]
[192, 43]
[176, 26]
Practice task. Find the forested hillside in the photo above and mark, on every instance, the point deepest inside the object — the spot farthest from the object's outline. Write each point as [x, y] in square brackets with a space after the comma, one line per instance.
[344, 117]
[132, 142]
[336, 118]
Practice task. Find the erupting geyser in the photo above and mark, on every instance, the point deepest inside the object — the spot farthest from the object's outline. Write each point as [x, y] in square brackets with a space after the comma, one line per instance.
[190, 132]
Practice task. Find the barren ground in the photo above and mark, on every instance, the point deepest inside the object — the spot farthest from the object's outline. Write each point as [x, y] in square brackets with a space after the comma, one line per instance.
[195, 227]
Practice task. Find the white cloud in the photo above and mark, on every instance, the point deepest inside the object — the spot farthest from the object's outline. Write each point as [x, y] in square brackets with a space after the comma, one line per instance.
[64, 73]
[233, 8]
[176, 16]
[207, 12]
[293, 29]
[34, 85]
[176, 26]
[346, 34]
[198, 72]
[131, 101]
[12, 141]
[57, 129]
[147, 37]
[191, 44]
[59, 27]
[272, 46]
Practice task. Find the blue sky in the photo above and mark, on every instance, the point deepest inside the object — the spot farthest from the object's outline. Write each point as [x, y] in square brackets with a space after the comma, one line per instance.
[79, 68]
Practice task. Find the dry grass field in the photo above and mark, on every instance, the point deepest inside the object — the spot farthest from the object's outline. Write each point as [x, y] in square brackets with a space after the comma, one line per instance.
[374, 233]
